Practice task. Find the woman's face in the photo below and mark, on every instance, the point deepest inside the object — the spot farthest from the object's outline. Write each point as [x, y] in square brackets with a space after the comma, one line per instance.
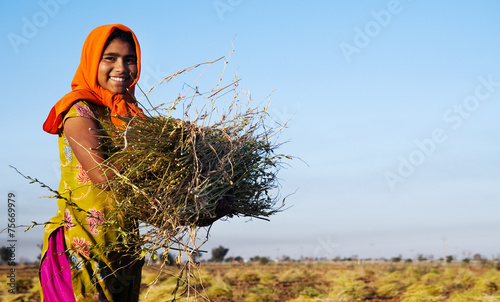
[118, 67]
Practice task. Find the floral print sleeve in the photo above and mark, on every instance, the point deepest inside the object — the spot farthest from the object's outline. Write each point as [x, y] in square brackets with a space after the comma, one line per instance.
[82, 109]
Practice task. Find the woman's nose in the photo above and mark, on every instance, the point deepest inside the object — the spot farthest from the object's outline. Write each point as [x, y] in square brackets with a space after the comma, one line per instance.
[120, 65]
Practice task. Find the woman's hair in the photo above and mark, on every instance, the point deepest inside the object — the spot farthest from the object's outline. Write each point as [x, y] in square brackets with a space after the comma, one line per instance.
[121, 35]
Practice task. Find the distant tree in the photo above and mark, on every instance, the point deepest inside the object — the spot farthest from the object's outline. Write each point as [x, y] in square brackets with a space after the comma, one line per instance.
[233, 259]
[4, 253]
[254, 258]
[285, 258]
[466, 260]
[168, 258]
[195, 257]
[421, 257]
[219, 253]
[261, 260]
[238, 259]
[449, 259]
[479, 258]
[397, 259]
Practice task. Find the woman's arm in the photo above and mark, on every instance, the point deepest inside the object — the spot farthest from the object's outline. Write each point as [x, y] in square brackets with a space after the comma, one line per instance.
[85, 143]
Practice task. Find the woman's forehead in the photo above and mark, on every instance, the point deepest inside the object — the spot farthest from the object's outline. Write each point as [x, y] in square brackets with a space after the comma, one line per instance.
[119, 46]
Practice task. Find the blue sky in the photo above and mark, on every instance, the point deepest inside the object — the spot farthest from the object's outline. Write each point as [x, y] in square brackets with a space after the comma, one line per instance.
[393, 105]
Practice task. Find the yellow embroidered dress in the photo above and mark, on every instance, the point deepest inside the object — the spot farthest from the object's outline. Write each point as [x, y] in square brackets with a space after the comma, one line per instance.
[99, 271]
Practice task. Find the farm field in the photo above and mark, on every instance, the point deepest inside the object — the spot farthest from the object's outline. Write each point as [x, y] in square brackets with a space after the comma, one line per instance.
[304, 281]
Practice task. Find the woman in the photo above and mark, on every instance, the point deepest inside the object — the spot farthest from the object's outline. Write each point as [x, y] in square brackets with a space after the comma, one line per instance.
[82, 259]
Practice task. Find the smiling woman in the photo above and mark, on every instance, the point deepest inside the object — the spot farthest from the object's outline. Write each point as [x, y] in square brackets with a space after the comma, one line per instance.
[83, 258]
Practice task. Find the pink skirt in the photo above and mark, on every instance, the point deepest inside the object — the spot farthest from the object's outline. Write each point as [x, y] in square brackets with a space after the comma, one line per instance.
[55, 271]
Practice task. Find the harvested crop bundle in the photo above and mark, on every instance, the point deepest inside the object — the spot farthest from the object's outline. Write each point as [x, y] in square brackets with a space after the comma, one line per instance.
[177, 175]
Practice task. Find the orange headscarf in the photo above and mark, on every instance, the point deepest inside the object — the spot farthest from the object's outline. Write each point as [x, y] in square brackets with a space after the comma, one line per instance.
[85, 86]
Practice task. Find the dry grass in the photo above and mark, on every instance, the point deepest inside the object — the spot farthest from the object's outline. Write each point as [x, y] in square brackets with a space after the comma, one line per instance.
[300, 281]
[338, 281]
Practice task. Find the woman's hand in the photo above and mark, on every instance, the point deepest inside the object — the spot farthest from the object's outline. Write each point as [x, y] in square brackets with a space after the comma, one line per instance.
[224, 208]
